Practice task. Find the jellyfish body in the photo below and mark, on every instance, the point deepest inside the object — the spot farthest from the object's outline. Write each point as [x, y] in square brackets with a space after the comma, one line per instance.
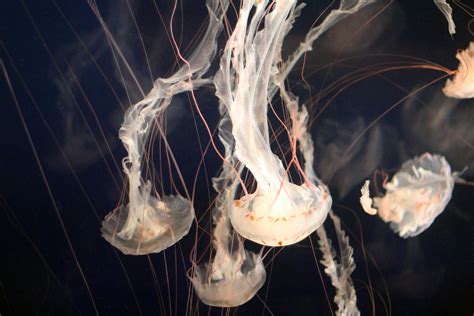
[234, 275]
[281, 217]
[416, 195]
[149, 224]
[462, 85]
[153, 227]
[233, 287]
[279, 212]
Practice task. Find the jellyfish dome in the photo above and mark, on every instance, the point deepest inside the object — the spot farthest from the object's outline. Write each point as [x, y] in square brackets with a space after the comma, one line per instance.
[233, 277]
[462, 85]
[232, 287]
[151, 227]
[416, 195]
[294, 212]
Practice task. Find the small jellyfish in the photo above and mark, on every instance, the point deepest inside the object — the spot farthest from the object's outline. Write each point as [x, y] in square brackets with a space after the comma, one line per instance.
[415, 196]
[462, 85]
[234, 275]
[150, 224]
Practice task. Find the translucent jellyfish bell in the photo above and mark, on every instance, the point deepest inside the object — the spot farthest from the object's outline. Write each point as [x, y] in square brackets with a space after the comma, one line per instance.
[233, 287]
[281, 217]
[462, 85]
[232, 278]
[152, 226]
[416, 195]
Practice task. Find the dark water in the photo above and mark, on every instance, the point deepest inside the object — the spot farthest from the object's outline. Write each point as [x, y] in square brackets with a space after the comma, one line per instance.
[429, 274]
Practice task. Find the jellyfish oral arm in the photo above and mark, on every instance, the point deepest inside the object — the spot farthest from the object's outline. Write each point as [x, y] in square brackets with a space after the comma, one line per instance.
[447, 11]
[365, 200]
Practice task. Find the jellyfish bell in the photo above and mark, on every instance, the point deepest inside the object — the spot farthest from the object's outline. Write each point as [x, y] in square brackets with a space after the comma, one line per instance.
[416, 195]
[151, 226]
[234, 275]
[232, 278]
[462, 85]
[231, 287]
[280, 217]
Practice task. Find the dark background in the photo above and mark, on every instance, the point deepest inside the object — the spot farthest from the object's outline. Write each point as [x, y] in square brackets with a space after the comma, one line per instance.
[426, 275]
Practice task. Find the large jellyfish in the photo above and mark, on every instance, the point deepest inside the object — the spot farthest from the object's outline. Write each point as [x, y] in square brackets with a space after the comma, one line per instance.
[462, 85]
[148, 223]
[415, 196]
[234, 275]
[279, 212]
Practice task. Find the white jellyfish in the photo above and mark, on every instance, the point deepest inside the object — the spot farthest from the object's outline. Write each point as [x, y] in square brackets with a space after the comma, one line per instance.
[234, 275]
[462, 85]
[149, 224]
[415, 196]
[279, 212]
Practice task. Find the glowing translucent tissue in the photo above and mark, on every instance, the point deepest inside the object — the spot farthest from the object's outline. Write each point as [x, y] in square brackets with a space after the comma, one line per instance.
[152, 228]
[462, 85]
[415, 196]
[149, 224]
[279, 212]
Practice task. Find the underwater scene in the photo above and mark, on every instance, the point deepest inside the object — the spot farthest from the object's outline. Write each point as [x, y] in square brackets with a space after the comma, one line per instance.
[237, 157]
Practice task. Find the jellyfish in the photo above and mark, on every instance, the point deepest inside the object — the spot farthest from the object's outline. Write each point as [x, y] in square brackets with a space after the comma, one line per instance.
[234, 275]
[415, 196]
[279, 212]
[462, 85]
[150, 223]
